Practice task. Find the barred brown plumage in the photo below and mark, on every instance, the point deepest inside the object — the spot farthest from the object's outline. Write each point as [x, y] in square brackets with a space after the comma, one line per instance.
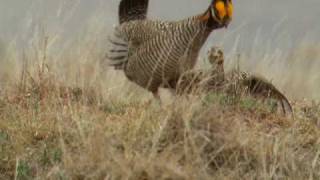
[234, 82]
[156, 53]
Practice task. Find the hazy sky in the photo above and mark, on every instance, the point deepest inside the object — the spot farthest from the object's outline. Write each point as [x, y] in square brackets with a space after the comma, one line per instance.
[262, 30]
[285, 21]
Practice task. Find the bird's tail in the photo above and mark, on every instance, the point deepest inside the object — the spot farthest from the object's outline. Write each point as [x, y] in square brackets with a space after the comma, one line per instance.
[118, 52]
[130, 10]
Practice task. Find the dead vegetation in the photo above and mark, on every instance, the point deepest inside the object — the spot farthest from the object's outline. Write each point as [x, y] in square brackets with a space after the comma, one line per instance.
[62, 117]
[50, 129]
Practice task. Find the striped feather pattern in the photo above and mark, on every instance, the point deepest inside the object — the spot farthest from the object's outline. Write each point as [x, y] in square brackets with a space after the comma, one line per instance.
[159, 52]
[118, 51]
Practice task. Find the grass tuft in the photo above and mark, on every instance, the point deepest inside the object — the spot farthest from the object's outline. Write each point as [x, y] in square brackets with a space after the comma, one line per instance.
[67, 118]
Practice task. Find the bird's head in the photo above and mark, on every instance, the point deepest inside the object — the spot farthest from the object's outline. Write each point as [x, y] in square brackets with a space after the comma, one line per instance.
[220, 11]
[215, 56]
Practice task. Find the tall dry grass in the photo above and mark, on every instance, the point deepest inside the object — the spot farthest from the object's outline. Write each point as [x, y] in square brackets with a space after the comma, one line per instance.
[64, 115]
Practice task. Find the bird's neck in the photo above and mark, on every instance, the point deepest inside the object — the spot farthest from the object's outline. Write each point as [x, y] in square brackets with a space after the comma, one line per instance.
[210, 23]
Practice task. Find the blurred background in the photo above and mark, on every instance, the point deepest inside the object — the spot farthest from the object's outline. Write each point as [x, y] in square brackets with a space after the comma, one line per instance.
[279, 40]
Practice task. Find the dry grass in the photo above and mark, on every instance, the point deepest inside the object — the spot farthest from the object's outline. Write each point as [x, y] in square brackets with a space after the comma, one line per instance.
[70, 120]
[63, 116]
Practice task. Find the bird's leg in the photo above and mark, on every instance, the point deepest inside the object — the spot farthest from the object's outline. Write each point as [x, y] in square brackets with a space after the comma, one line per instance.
[173, 92]
[157, 97]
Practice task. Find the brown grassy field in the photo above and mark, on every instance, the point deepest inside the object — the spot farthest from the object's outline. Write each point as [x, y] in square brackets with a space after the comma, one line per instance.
[64, 116]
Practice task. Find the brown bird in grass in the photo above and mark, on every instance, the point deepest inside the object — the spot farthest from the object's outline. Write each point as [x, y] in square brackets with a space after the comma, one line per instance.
[235, 82]
[156, 53]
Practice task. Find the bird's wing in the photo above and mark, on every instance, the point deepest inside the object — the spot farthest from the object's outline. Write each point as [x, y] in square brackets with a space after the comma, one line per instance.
[258, 85]
[130, 10]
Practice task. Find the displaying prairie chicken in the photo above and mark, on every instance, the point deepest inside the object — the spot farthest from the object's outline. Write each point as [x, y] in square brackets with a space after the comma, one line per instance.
[254, 85]
[155, 53]
[235, 82]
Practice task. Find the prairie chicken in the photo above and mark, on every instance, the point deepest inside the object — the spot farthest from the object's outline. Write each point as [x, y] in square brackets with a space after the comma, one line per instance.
[235, 82]
[255, 86]
[155, 53]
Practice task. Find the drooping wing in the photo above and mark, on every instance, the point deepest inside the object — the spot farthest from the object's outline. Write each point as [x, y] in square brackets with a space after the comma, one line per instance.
[261, 87]
[130, 10]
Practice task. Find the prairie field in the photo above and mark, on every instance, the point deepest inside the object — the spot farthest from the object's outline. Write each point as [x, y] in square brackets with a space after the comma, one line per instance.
[64, 114]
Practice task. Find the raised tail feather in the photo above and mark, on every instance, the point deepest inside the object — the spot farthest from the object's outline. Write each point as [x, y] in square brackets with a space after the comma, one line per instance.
[130, 10]
[118, 52]
[118, 47]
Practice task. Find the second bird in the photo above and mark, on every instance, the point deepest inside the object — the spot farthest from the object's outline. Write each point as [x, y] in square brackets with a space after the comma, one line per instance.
[156, 53]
